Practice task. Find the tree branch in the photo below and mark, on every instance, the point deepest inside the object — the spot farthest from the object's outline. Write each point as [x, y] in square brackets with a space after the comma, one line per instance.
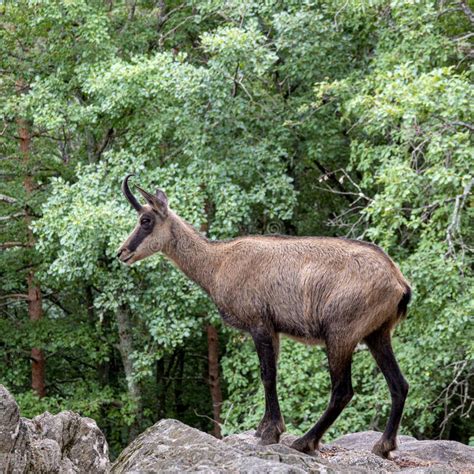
[458, 123]
[11, 216]
[104, 142]
[17, 296]
[7, 199]
[453, 226]
[463, 5]
[9, 245]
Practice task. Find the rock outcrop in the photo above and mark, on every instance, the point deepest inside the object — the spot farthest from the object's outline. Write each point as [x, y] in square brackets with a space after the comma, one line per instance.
[68, 443]
[63, 443]
[171, 446]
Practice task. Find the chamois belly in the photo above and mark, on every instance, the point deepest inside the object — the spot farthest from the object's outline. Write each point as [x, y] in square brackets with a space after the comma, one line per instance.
[249, 308]
[296, 321]
[313, 336]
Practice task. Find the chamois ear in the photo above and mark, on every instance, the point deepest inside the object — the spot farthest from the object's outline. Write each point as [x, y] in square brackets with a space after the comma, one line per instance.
[158, 201]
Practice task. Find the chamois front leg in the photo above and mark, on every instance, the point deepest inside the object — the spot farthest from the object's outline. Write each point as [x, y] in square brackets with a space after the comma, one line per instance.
[272, 424]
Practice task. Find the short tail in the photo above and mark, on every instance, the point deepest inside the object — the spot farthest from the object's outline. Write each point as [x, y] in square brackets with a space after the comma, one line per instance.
[404, 302]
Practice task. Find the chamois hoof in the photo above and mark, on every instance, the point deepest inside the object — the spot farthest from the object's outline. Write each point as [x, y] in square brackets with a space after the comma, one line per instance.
[270, 433]
[266, 423]
[383, 447]
[270, 436]
[304, 445]
[261, 427]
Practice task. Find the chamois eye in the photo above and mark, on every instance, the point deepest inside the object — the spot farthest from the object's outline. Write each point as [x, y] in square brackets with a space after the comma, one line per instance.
[145, 222]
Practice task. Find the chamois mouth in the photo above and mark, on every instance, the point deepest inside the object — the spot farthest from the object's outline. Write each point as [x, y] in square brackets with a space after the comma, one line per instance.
[128, 257]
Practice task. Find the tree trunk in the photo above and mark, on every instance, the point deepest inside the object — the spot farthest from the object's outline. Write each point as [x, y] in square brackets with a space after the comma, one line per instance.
[161, 388]
[103, 367]
[126, 350]
[178, 385]
[37, 356]
[214, 380]
[35, 310]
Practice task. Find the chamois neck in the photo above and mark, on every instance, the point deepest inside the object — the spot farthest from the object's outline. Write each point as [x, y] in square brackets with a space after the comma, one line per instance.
[193, 253]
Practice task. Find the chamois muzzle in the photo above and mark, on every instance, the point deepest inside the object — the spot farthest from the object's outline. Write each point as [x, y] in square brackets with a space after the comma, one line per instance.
[124, 255]
[128, 194]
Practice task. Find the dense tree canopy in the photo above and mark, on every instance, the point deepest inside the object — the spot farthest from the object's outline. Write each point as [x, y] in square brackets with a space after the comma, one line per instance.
[304, 118]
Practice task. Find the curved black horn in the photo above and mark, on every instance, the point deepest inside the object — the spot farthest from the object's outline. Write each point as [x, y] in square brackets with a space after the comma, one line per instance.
[128, 194]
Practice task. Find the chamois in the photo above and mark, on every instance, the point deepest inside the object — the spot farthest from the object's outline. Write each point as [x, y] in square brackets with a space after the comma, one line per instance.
[331, 291]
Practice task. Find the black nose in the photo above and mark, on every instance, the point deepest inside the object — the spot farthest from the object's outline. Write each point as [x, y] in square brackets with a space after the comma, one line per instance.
[119, 253]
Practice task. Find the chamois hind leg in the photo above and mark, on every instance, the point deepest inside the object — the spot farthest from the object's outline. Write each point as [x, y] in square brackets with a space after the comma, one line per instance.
[339, 359]
[380, 345]
[272, 424]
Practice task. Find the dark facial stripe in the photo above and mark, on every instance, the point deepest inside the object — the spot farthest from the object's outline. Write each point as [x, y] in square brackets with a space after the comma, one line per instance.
[139, 237]
[141, 234]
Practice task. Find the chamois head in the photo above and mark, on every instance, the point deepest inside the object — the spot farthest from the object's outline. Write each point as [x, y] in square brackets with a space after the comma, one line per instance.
[152, 232]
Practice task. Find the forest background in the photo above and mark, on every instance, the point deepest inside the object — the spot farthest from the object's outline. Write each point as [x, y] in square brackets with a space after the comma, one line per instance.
[343, 118]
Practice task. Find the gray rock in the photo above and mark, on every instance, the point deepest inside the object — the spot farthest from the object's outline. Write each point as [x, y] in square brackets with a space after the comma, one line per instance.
[62, 443]
[171, 446]
[365, 440]
[428, 456]
[330, 459]
[68, 443]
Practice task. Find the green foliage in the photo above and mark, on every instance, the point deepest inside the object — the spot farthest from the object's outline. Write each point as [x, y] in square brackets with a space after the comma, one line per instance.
[306, 118]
